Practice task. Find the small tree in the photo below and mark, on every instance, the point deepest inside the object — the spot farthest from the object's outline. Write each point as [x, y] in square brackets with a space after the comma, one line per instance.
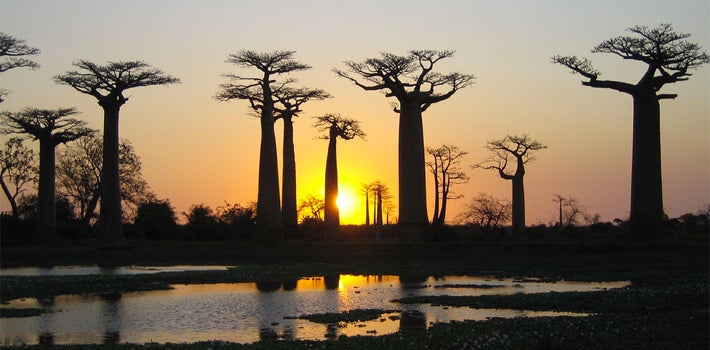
[311, 208]
[79, 178]
[380, 198]
[156, 219]
[13, 52]
[51, 128]
[487, 212]
[411, 80]
[336, 127]
[259, 91]
[669, 58]
[107, 84]
[518, 149]
[444, 167]
[18, 169]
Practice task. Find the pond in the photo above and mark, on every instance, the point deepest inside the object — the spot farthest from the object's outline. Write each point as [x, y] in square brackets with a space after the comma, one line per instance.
[247, 312]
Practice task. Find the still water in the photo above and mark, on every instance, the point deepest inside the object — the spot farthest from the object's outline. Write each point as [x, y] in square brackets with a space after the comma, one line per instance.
[247, 312]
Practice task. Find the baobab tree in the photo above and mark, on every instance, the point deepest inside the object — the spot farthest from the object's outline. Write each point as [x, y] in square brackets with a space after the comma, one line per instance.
[51, 127]
[17, 170]
[261, 92]
[13, 52]
[669, 58]
[288, 105]
[336, 127]
[107, 84]
[380, 196]
[411, 80]
[444, 166]
[505, 150]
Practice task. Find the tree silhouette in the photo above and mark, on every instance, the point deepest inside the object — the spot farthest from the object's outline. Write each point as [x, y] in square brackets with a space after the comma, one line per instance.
[669, 58]
[380, 197]
[12, 51]
[336, 127]
[17, 169]
[289, 101]
[79, 178]
[487, 212]
[107, 83]
[313, 206]
[260, 92]
[51, 128]
[445, 169]
[365, 191]
[416, 87]
[518, 149]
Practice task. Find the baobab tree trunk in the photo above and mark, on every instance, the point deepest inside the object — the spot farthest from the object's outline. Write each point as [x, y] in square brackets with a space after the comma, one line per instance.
[518, 204]
[444, 200]
[268, 211]
[367, 207]
[378, 217]
[47, 211]
[646, 214]
[11, 199]
[110, 216]
[331, 210]
[412, 176]
[288, 200]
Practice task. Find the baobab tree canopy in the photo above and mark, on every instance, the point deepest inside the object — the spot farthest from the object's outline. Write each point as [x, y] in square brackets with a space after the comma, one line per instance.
[669, 58]
[668, 55]
[411, 80]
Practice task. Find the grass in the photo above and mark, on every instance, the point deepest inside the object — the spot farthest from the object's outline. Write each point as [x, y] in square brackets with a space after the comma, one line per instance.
[666, 307]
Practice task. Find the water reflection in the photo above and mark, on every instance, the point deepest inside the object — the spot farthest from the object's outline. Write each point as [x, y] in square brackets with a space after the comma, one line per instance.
[247, 312]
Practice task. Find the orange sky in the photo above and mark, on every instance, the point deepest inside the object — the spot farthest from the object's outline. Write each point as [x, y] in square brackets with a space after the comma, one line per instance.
[197, 150]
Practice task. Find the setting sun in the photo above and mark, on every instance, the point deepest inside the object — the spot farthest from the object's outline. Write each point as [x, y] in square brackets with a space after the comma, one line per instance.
[346, 201]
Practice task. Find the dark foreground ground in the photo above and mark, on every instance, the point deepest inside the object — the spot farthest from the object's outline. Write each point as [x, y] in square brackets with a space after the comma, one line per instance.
[666, 307]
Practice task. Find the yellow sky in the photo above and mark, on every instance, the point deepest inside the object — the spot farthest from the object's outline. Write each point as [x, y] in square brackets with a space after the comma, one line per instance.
[197, 150]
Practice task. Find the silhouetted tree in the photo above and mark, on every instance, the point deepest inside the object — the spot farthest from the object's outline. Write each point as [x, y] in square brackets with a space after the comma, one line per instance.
[79, 177]
[18, 169]
[336, 127]
[486, 211]
[445, 169]
[669, 58]
[51, 128]
[288, 105]
[12, 51]
[156, 219]
[107, 83]
[259, 91]
[311, 207]
[412, 82]
[518, 149]
[365, 191]
[382, 199]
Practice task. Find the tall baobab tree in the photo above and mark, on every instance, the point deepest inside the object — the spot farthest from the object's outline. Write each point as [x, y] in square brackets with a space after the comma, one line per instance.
[260, 92]
[445, 169]
[669, 58]
[505, 150]
[288, 105]
[51, 128]
[411, 80]
[12, 51]
[365, 189]
[380, 197]
[18, 168]
[107, 84]
[336, 126]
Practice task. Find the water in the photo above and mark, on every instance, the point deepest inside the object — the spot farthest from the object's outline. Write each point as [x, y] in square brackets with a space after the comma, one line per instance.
[247, 312]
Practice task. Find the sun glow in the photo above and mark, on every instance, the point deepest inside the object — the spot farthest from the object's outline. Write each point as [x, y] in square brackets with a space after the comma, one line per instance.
[346, 201]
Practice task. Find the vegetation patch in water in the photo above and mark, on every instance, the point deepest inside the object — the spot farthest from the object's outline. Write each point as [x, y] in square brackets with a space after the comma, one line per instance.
[20, 312]
[357, 315]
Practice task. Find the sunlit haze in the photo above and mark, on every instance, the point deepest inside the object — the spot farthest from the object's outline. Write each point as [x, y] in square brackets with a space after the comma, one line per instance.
[196, 150]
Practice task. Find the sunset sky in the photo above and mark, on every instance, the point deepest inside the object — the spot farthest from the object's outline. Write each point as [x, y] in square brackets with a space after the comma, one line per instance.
[198, 150]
